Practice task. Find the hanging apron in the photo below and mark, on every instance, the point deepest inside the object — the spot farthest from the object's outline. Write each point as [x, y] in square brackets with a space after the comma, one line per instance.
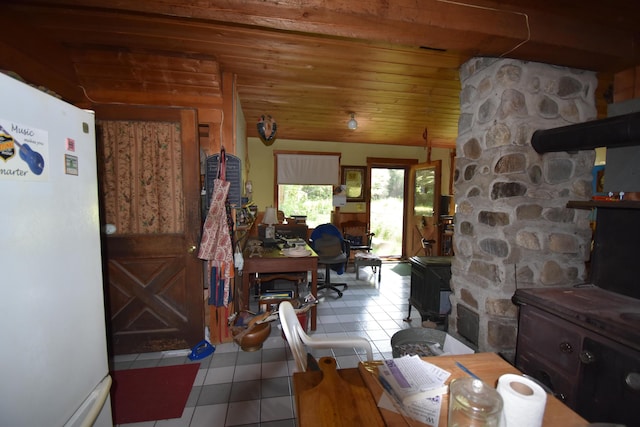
[216, 246]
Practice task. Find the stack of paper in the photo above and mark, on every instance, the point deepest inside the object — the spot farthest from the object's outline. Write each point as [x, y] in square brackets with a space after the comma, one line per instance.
[415, 386]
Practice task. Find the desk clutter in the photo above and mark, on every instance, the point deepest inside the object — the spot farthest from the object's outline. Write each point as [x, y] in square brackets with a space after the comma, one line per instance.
[293, 247]
[479, 389]
[296, 251]
[415, 389]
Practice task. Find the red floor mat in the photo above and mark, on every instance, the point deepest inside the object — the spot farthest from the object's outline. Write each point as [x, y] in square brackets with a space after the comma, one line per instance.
[151, 393]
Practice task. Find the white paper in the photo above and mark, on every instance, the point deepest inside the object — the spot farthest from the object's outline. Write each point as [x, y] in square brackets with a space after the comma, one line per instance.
[339, 200]
[410, 378]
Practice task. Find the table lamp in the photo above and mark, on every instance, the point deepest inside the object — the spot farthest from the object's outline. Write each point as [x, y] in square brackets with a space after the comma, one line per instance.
[270, 218]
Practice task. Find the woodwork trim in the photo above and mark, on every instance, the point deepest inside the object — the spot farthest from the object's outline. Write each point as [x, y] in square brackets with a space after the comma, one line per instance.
[387, 162]
[311, 153]
[229, 112]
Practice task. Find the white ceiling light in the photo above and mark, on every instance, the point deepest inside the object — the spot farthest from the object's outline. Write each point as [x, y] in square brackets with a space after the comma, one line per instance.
[352, 124]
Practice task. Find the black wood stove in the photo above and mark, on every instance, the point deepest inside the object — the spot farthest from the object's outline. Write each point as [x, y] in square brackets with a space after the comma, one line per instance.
[584, 341]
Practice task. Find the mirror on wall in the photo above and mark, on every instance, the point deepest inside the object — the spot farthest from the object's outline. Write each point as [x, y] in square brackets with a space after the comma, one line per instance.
[354, 182]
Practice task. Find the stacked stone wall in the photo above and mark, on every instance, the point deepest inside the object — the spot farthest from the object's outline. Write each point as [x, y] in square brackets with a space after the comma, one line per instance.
[512, 226]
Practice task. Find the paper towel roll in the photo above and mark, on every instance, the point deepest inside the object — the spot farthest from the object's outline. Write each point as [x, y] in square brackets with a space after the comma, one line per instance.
[524, 401]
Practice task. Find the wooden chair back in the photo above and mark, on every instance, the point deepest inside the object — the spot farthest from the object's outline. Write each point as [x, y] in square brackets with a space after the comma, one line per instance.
[358, 235]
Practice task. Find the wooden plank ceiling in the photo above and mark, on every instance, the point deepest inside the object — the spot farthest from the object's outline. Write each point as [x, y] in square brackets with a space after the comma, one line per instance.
[310, 63]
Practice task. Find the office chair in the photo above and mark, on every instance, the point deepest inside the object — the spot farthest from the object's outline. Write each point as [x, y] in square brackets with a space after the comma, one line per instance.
[333, 253]
[298, 339]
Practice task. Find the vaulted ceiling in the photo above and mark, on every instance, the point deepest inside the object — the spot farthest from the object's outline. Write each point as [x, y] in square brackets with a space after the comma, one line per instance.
[308, 63]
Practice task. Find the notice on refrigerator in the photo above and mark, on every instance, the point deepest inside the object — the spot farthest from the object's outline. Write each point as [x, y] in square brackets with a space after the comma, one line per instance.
[70, 164]
[24, 152]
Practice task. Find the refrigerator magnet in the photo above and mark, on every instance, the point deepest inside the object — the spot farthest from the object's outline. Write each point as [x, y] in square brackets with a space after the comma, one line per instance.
[70, 143]
[70, 164]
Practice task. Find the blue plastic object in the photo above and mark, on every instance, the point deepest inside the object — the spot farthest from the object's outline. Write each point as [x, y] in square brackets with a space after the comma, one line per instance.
[201, 350]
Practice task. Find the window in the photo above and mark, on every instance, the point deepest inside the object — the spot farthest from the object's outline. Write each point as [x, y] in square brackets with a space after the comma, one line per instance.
[305, 184]
[314, 201]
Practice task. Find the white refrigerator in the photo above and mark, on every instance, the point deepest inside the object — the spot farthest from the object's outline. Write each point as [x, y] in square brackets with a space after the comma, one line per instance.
[53, 352]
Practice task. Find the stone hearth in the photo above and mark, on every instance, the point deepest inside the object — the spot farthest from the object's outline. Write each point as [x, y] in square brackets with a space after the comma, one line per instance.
[513, 229]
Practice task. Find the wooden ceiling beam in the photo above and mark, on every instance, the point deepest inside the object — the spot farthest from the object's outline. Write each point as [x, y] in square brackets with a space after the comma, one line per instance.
[129, 96]
[475, 27]
[231, 41]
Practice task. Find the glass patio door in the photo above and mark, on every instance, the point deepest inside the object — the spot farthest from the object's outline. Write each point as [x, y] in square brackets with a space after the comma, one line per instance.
[387, 210]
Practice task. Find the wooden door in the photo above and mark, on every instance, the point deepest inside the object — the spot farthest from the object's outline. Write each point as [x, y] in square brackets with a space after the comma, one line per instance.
[423, 213]
[150, 191]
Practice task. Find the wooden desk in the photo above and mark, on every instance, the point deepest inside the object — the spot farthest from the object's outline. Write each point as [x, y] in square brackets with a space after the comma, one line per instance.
[488, 366]
[274, 261]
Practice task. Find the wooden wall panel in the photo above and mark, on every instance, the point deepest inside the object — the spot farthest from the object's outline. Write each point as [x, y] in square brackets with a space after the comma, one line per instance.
[626, 85]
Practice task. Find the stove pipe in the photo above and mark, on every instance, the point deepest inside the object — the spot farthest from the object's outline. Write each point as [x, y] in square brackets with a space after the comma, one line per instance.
[618, 131]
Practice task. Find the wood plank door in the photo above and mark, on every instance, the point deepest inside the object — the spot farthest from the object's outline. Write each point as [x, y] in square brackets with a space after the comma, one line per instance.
[150, 194]
[423, 213]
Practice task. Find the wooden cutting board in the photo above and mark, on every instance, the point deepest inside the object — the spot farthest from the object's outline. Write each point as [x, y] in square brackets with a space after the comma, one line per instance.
[336, 402]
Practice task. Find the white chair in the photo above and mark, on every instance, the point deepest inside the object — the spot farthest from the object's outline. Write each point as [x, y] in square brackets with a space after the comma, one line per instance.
[297, 338]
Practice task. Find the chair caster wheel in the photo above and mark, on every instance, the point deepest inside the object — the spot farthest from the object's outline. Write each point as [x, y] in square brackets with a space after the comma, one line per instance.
[339, 294]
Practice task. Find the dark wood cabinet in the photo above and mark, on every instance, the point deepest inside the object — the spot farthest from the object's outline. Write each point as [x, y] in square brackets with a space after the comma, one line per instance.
[548, 350]
[430, 288]
[582, 344]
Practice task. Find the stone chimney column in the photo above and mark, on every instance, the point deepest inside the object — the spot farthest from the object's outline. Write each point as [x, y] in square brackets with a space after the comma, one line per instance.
[512, 227]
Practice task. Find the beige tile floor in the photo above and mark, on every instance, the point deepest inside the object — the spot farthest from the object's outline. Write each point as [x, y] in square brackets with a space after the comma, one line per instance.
[237, 388]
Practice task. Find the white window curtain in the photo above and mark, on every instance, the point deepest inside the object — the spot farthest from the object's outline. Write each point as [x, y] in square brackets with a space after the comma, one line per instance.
[308, 169]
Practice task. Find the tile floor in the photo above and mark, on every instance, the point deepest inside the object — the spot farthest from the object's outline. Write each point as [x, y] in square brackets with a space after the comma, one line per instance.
[237, 388]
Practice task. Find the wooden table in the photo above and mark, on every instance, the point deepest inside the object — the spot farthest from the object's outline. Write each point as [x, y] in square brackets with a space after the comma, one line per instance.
[272, 260]
[488, 366]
